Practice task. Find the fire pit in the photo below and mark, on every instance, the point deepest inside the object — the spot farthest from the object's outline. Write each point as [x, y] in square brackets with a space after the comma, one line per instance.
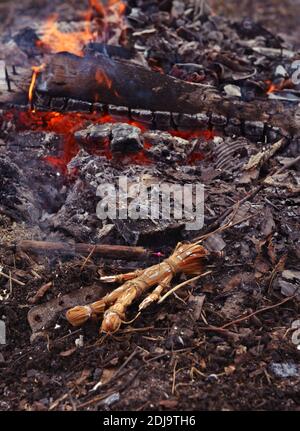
[132, 132]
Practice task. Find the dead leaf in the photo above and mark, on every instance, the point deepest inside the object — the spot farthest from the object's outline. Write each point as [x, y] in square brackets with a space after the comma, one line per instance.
[107, 375]
[229, 370]
[261, 266]
[272, 252]
[84, 375]
[268, 224]
[234, 305]
[208, 288]
[215, 243]
[236, 280]
[289, 180]
[196, 304]
[252, 167]
[67, 353]
[258, 159]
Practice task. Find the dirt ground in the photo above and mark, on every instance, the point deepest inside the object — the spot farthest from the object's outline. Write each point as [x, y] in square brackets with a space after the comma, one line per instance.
[196, 351]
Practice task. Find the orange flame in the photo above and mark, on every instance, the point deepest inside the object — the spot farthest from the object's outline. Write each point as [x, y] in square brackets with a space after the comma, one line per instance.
[36, 70]
[105, 81]
[55, 40]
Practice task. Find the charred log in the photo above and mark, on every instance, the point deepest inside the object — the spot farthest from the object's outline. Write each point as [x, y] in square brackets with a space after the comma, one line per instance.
[77, 84]
[120, 83]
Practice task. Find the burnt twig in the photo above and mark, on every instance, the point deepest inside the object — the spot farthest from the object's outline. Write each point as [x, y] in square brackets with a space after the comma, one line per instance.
[103, 250]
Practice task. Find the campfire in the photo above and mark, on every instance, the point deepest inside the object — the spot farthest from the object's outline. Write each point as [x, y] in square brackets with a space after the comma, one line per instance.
[196, 110]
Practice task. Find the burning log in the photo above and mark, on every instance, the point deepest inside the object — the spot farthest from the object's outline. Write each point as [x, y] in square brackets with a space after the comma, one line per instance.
[102, 250]
[121, 83]
[128, 90]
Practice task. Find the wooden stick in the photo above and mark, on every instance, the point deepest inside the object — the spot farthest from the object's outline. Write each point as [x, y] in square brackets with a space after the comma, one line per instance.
[40, 293]
[108, 251]
[20, 283]
[269, 307]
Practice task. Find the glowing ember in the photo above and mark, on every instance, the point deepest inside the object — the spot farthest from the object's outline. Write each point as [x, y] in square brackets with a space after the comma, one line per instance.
[103, 80]
[67, 124]
[284, 83]
[193, 134]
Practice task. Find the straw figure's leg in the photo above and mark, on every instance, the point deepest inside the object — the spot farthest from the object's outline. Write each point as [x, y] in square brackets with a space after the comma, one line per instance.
[156, 294]
[186, 258]
[121, 278]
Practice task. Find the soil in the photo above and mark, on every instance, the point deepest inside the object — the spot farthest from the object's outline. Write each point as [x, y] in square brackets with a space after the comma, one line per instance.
[175, 356]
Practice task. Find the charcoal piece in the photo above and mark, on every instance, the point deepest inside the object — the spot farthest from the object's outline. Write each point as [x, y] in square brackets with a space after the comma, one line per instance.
[99, 107]
[186, 121]
[234, 127]
[218, 121]
[248, 28]
[202, 120]
[94, 134]
[167, 148]
[188, 34]
[58, 103]
[118, 112]
[17, 199]
[36, 145]
[162, 120]
[143, 116]
[126, 139]
[252, 90]
[41, 100]
[76, 217]
[155, 137]
[230, 153]
[273, 134]
[254, 129]
[78, 106]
